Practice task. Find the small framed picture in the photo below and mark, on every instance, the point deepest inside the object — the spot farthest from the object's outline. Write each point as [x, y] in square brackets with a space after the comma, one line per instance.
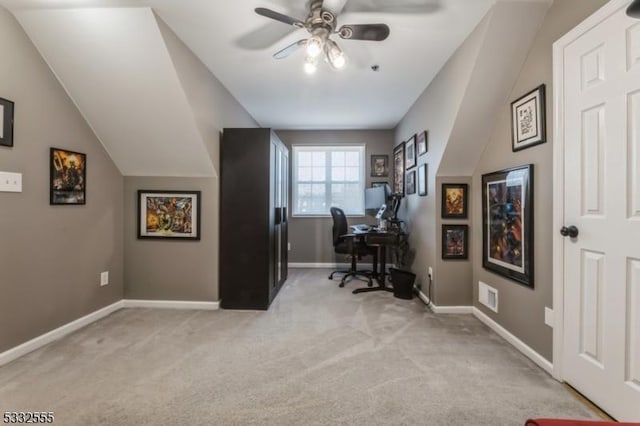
[454, 200]
[6, 122]
[411, 182]
[422, 140]
[68, 177]
[398, 169]
[171, 215]
[379, 166]
[376, 184]
[455, 241]
[410, 153]
[422, 180]
[528, 123]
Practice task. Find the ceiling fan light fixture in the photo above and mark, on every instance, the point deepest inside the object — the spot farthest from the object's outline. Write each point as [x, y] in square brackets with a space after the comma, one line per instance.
[314, 46]
[310, 65]
[335, 55]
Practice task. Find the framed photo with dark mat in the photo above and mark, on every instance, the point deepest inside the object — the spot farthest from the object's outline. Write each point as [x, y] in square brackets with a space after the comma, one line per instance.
[410, 153]
[422, 141]
[454, 200]
[507, 223]
[411, 182]
[6, 122]
[455, 241]
[379, 166]
[398, 169]
[528, 121]
[68, 177]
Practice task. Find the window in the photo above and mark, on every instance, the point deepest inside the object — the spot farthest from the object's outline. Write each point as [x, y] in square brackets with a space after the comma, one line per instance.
[328, 176]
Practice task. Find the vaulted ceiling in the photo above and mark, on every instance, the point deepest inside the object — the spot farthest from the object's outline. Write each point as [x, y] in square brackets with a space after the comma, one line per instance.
[111, 58]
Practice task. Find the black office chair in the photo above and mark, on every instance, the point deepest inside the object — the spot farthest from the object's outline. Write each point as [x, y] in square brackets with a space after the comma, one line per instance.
[347, 244]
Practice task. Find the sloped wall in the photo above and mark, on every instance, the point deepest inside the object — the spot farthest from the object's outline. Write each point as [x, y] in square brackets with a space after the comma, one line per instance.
[521, 309]
[51, 256]
[183, 270]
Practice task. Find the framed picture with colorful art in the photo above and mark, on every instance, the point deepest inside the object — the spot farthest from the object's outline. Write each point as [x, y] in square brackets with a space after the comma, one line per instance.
[507, 223]
[398, 169]
[67, 177]
[455, 241]
[454, 201]
[169, 215]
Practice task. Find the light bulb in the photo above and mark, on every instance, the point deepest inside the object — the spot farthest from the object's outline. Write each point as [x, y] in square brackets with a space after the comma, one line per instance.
[310, 66]
[314, 46]
[335, 55]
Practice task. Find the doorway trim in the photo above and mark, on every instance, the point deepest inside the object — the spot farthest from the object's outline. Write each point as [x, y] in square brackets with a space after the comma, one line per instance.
[559, 46]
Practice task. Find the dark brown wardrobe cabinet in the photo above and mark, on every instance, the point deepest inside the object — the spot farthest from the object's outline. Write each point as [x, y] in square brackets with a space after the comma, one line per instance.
[254, 182]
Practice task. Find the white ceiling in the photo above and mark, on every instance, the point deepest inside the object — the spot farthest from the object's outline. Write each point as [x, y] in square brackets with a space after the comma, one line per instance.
[236, 45]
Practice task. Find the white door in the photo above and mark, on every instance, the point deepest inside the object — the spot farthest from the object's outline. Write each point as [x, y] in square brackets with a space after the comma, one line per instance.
[601, 353]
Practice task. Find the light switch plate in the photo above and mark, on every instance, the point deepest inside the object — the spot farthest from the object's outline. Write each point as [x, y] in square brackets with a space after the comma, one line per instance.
[549, 318]
[10, 182]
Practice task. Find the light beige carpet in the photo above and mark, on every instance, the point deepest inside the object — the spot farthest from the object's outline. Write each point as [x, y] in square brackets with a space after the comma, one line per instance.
[319, 356]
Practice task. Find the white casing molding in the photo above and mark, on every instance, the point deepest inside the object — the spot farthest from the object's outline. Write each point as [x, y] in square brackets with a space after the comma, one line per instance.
[44, 339]
[534, 356]
[558, 172]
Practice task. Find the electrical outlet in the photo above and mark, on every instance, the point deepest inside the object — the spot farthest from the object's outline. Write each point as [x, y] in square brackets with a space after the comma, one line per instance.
[430, 272]
[549, 319]
[289, 246]
[104, 278]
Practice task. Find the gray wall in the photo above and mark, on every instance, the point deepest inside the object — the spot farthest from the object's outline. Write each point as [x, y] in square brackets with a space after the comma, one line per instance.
[51, 256]
[436, 110]
[183, 270]
[453, 276]
[521, 309]
[310, 238]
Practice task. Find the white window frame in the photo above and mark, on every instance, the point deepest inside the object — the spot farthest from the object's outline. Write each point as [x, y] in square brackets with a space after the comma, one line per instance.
[360, 148]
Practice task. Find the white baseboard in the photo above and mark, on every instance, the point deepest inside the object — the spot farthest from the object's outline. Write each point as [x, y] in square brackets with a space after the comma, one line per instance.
[445, 309]
[329, 265]
[170, 304]
[42, 340]
[534, 356]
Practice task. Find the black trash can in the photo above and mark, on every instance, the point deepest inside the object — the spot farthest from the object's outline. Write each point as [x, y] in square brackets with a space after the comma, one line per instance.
[402, 283]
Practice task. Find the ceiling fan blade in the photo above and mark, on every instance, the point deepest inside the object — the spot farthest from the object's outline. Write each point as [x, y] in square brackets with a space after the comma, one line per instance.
[279, 17]
[372, 32]
[289, 49]
[634, 9]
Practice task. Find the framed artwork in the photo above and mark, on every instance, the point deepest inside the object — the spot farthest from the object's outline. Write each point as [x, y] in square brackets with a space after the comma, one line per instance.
[6, 122]
[528, 122]
[379, 166]
[454, 200]
[169, 214]
[422, 180]
[455, 241]
[411, 182]
[410, 152]
[398, 169]
[507, 223]
[67, 177]
[422, 140]
[376, 184]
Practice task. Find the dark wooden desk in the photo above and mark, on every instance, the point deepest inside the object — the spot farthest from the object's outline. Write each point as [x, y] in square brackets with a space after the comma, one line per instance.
[381, 240]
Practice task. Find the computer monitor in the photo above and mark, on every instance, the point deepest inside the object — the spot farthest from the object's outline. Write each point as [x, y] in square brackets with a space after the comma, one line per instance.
[374, 197]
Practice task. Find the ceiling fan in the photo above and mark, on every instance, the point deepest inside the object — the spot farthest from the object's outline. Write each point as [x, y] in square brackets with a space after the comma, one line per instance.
[321, 24]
